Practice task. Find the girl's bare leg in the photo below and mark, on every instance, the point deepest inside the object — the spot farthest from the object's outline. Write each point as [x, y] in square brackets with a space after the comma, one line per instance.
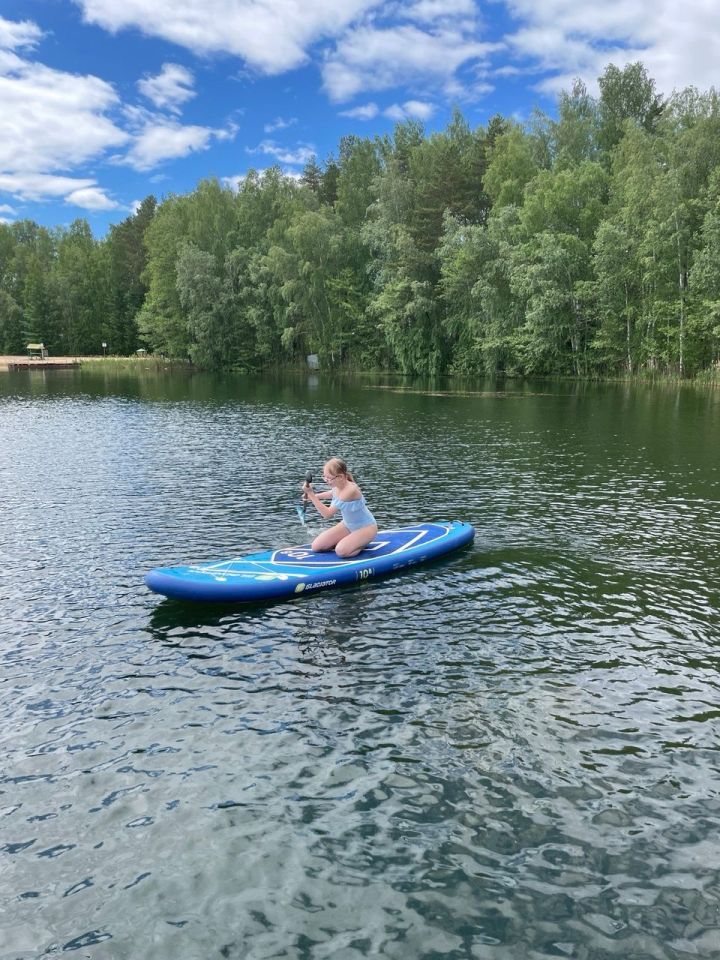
[329, 538]
[354, 542]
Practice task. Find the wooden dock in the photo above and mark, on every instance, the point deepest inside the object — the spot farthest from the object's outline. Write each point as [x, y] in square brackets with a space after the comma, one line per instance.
[47, 363]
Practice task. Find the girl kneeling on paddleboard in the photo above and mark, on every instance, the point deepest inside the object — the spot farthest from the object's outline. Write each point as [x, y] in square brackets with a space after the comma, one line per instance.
[357, 527]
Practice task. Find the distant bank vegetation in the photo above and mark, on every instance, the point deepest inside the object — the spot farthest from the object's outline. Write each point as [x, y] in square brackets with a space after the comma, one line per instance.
[585, 245]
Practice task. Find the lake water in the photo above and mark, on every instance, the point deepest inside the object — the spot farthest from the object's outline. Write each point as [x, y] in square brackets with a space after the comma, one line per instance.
[512, 753]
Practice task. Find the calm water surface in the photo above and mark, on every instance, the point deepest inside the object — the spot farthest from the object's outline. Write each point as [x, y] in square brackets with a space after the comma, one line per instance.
[513, 753]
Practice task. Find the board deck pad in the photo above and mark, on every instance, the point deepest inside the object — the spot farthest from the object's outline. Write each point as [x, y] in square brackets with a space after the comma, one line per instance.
[291, 571]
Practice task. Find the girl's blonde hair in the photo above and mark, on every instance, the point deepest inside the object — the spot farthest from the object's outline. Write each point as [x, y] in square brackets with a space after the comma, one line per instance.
[336, 465]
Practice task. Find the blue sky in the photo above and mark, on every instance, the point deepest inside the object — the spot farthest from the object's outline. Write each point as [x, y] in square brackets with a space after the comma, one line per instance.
[105, 101]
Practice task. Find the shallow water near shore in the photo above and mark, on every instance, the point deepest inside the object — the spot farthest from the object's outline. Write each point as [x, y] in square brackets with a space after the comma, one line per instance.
[512, 753]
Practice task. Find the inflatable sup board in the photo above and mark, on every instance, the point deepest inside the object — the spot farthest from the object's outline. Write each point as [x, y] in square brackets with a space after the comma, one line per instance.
[294, 571]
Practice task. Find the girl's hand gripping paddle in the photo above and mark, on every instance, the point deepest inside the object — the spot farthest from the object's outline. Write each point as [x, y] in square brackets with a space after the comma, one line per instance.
[302, 506]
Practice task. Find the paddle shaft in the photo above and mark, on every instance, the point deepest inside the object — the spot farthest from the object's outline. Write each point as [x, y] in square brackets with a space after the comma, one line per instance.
[304, 497]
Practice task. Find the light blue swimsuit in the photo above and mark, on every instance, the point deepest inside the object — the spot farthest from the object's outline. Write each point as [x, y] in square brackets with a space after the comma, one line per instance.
[355, 513]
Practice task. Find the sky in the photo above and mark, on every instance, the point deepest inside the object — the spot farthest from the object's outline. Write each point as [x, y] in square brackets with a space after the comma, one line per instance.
[103, 102]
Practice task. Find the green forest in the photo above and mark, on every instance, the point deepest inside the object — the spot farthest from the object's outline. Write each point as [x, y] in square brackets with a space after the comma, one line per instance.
[584, 244]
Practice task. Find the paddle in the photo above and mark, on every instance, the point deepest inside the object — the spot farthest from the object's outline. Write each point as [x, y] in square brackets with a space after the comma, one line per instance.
[302, 506]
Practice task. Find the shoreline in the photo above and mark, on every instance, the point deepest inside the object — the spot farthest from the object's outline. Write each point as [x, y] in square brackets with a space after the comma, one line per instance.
[706, 378]
[7, 361]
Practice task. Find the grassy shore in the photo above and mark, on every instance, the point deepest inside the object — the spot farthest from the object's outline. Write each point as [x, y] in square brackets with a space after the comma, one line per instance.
[709, 378]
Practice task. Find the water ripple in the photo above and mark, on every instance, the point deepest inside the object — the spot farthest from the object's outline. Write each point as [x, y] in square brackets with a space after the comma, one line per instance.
[512, 753]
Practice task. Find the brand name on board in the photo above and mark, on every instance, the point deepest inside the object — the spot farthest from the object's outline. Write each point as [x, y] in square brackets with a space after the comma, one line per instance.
[314, 586]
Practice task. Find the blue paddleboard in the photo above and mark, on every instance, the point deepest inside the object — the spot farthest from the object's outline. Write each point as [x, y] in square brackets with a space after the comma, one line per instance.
[297, 570]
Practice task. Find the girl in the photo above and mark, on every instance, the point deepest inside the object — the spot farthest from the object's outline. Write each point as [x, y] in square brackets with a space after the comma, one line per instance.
[357, 527]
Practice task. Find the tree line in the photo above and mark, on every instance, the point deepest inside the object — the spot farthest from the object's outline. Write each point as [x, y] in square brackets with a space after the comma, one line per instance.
[585, 244]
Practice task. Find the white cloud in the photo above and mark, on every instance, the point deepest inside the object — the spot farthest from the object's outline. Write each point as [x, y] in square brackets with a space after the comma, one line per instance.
[430, 11]
[9, 62]
[475, 90]
[271, 35]
[395, 112]
[91, 198]
[295, 157]
[279, 124]
[507, 70]
[172, 87]
[570, 38]
[38, 186]
[376, 59]
[163, 140]
[53, 123]
[234, 183]
[6, 208]
[365, 112]
[417, 109]
[379, 45]
[16, 34]
[53, 120]
[50, 123]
